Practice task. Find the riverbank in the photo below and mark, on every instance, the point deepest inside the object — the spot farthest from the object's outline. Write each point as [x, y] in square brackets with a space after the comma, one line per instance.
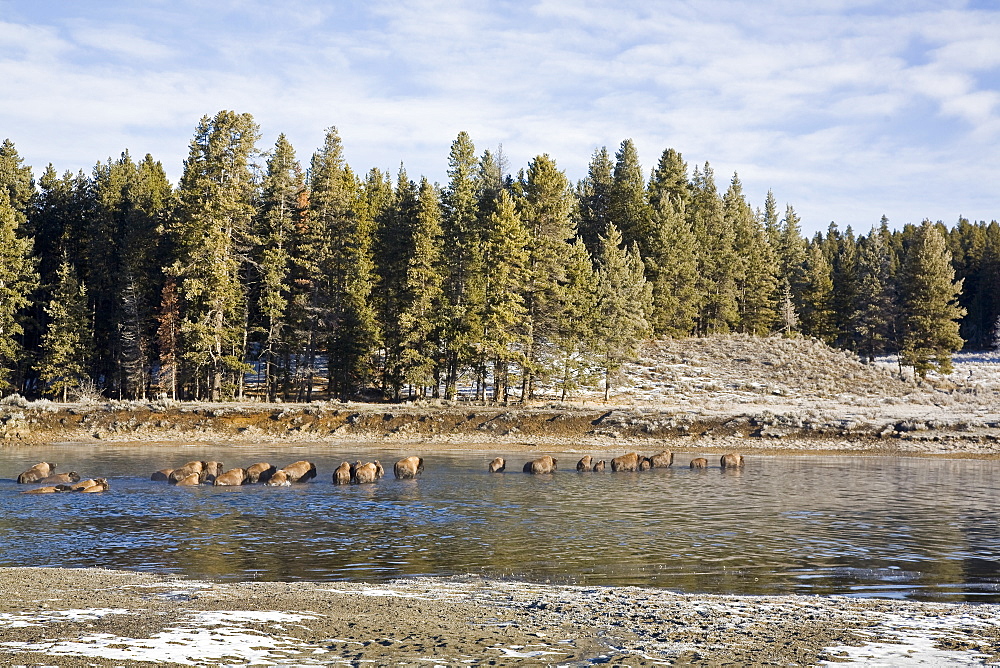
[96, 617]
[711, 395]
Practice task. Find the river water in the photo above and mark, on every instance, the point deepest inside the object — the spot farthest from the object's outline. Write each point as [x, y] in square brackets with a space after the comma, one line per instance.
[925, 529]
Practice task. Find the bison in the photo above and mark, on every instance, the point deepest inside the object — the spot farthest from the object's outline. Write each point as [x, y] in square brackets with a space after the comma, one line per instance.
[409, 467]
[543, 464]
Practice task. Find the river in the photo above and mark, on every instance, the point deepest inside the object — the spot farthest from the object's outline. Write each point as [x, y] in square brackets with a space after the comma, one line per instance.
[923, 529]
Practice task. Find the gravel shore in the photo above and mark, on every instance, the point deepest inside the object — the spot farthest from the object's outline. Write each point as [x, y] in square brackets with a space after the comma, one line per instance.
[90, 617]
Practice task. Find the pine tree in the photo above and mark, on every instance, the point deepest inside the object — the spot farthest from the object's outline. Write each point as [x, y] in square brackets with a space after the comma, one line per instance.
[874, 308]
[505, 265]
[930, 311]
[816, 295]
[68, 343]
[280, 213]
[216, 193]
[421, 320]
[574, 337]
[623, 303]
[594, 194]
[546, 207]
[393, 250]
[629, 209]
[716, 256]
[462, 248]
[756, 264]
[672, 264]
[18, 279]
[168, 334]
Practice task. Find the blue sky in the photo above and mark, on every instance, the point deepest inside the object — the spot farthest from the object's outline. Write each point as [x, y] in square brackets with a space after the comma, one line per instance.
[847, 109]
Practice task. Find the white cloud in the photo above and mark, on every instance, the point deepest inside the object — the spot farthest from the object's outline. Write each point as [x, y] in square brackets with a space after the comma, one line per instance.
[847, 109]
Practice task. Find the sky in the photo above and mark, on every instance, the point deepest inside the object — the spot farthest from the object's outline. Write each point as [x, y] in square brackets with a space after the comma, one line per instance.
[847, 110]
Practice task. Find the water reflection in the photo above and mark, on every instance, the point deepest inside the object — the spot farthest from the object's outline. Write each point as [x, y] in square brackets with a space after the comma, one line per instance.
[913, 528]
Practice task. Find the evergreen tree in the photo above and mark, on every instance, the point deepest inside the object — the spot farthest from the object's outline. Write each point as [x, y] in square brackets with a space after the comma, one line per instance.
[18, 278]
[421, 320]
[546, 207]
[217, 193]
[462, 247]
[629, 209]
[716, 256]
[816, 296]
[574, 336]
[281, 212]
[930, 311]
[669, 182]
[791, 248]
[672, 264]
[393, 250]
[756, 264]
[874, 308]
[623, 303]
[772, 226]
[68, 343]
[16, 179]
[505, 265]
[594, 194]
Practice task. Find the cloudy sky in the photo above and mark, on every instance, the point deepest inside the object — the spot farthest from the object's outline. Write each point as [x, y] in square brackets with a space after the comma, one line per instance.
[847, 109]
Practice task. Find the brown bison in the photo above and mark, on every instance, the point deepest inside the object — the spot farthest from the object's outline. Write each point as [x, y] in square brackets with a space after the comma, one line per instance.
[379, 471]
[42, 490]
[300, 471]
[628, 462]
[585, 464]
[599, 466]
[231, 478]
[60, 478]
[731, 461]
[90, 486]
[365, 473]
[212, 471]
[163, 475]
[37, 472]
[259, 472]
[543, 464]
[699, 463]
[662, 460]
[497, 465]
[279, 479]
[342, 476]
[409, 467]
[190, 480]
[185, 471]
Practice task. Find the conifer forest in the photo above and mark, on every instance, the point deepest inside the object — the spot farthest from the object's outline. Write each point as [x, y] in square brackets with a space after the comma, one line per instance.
[262, 275]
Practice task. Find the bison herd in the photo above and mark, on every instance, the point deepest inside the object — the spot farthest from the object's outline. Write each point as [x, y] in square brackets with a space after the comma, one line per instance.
[199, 473]
[627, 462]
[44, 474]
[212, 472]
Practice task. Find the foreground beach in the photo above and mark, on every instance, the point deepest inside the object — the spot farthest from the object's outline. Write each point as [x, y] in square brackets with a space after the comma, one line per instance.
[70, 617]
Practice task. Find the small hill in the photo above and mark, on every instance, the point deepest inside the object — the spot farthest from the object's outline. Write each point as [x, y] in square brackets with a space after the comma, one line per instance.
[746, 369]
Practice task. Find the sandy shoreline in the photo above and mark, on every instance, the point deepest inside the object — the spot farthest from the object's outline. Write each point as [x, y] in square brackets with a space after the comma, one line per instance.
[71, 617]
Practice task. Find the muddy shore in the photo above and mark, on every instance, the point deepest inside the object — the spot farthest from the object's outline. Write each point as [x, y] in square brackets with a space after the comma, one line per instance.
[97, 617]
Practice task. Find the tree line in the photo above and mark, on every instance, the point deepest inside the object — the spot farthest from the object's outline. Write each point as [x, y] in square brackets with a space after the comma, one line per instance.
[317, 282]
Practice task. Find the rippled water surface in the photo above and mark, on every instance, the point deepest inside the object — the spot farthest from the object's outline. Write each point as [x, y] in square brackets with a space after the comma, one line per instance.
[914, 528]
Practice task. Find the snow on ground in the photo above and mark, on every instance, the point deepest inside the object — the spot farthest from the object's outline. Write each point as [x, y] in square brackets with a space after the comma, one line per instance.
[197, 639]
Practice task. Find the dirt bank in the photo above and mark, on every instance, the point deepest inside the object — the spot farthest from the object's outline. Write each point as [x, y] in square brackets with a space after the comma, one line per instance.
[916, 430]
[96, 617]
